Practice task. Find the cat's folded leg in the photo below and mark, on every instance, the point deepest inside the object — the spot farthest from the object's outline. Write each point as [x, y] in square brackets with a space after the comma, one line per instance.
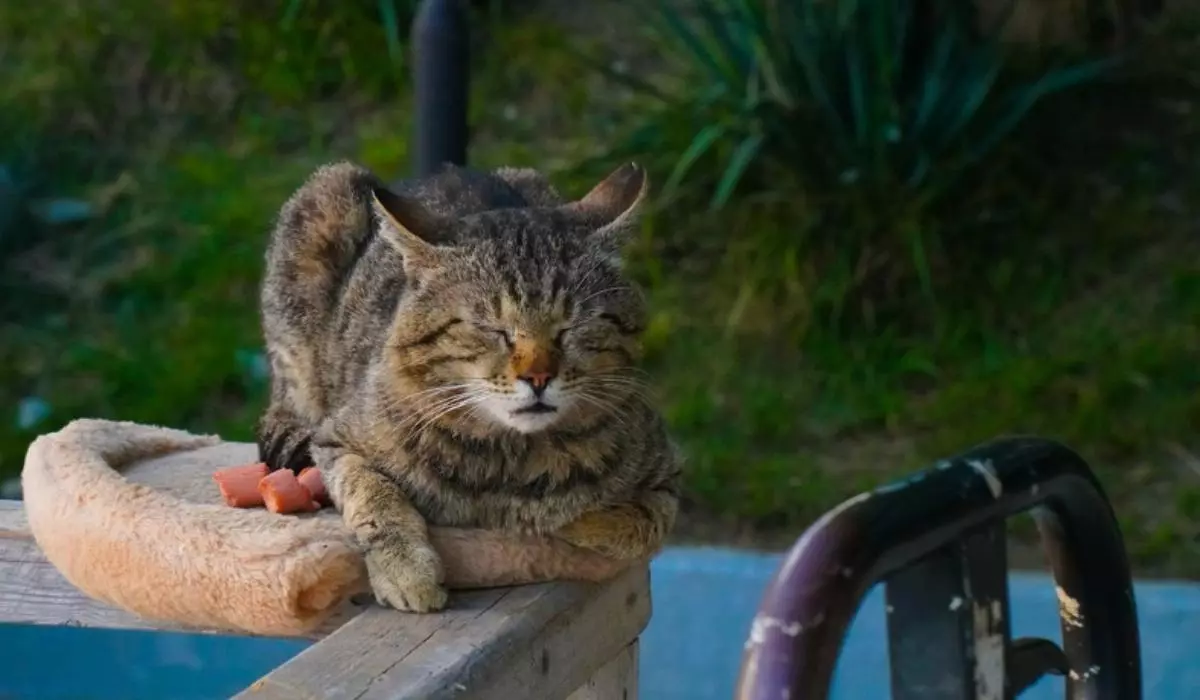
[404, 569]
[283, 439]
[625, 532]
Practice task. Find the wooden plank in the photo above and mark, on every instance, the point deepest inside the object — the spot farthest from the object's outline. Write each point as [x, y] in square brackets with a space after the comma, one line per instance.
[12, 521]
[540, 641]
[366, 648]
[616, 680]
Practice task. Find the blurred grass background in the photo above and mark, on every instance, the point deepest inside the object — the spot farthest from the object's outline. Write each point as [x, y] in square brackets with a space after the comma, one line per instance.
[846, 283]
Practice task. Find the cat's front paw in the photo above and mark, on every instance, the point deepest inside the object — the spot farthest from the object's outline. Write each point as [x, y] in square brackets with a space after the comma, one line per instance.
[406, 576]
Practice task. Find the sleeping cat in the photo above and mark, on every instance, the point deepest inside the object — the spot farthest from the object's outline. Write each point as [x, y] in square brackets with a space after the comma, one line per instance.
[461, 350]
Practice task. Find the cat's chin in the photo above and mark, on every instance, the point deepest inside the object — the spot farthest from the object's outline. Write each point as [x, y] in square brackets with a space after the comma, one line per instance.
[527, 423]
[525, 420]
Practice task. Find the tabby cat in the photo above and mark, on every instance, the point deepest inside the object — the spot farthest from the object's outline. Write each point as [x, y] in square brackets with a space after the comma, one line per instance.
[461, 350]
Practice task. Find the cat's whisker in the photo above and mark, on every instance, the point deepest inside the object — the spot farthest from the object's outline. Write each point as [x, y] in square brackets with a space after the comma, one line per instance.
[617, 377]
[586, 277]
[472, 411]
[630, 373]
[634, 391]
[622, 382]
[619, 382]
[413, 410]
[617, 415]
[412, 403]
[421, 412]
[448, 406]
[430, 420]
[415, 398]
[467, 392]
[605, 406]
[593, 295]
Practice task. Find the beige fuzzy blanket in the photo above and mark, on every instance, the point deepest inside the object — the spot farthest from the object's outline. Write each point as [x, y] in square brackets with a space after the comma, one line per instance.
[130, 515]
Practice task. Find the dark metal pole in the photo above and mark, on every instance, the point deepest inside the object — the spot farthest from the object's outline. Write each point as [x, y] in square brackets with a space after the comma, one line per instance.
[948, 622]
[441, 56]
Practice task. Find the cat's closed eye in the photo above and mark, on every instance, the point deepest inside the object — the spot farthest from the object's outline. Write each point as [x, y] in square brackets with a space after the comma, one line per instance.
[504, 335]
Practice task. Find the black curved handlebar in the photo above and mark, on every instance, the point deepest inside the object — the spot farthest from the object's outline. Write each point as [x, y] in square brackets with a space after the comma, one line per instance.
[937, 538]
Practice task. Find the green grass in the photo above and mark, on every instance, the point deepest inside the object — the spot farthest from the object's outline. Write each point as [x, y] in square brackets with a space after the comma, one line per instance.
[793, 379]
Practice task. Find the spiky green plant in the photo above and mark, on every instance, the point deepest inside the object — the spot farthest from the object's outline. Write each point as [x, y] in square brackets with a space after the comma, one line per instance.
[876, 93]
[394, 15]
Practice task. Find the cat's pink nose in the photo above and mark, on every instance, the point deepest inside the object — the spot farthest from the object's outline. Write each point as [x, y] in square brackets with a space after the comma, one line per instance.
[537, 380]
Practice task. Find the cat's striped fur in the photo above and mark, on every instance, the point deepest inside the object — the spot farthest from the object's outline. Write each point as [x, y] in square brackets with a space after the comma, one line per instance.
[461, 350]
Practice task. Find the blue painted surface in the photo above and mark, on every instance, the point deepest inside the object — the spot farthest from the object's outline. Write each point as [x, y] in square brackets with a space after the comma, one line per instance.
[61, 663]
[704, 600]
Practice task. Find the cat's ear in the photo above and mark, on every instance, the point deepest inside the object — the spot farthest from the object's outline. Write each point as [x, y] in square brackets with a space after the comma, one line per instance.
[614, 206]
[409, 227]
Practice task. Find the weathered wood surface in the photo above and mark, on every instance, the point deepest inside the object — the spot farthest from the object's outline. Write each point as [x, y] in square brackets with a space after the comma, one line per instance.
[539, 642]
[12, 521]
[616, 680]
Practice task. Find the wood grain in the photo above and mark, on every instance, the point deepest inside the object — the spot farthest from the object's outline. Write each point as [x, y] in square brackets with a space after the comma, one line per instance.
[12, 521]
[616, 680]
[541, 641]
